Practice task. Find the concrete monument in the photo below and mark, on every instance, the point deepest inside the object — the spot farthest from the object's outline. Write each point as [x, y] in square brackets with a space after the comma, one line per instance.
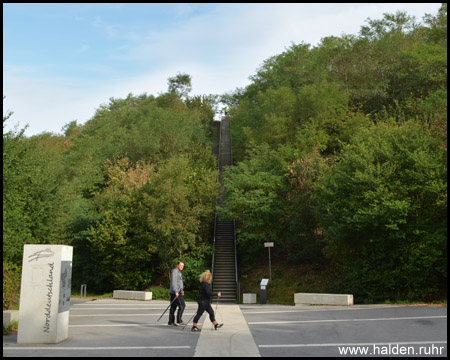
[45, 294]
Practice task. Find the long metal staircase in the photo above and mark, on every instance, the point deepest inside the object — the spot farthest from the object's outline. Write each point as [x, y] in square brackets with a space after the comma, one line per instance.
[225, 279]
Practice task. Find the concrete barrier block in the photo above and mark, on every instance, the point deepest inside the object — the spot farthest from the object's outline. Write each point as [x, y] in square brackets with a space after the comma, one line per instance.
[249, 298]
[132, 295]
[323, 299]
[122, 294]
[10, 316]
[143, 295]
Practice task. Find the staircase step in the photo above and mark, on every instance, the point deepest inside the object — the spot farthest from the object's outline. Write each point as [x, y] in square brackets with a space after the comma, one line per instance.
[225, 280]
[224, 264]
[224, 271]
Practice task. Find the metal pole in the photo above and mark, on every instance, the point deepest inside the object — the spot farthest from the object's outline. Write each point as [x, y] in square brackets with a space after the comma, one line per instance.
[270, 268]
[217, 304]
[215, 311]
[189, 320]
[167, 309]
[83, 287]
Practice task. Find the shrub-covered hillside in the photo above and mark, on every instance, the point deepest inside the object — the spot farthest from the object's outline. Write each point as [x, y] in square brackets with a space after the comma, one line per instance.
[342, 158]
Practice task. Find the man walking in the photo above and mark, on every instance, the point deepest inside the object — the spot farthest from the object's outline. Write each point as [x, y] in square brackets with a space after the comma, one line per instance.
[176, 291]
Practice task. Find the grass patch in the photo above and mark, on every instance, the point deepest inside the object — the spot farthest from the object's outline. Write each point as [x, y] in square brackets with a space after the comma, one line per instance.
[162, 293]
[287, 279]
[11, 328]
[77, 294]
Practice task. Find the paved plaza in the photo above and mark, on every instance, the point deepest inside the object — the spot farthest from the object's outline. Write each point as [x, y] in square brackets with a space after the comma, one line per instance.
[129, 328]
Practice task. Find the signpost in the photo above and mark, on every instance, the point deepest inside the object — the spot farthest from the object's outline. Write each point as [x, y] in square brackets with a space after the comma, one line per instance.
[269, 245]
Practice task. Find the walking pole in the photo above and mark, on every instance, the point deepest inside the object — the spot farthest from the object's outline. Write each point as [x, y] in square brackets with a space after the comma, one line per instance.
[166, 309]
[217, 304]
[189, 320]
[215, 311]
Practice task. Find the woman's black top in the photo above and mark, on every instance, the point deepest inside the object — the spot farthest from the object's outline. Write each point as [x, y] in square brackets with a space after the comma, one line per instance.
[205, 292]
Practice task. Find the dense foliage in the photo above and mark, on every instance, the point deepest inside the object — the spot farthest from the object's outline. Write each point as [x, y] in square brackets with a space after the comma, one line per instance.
[133, 190]
[341, 152]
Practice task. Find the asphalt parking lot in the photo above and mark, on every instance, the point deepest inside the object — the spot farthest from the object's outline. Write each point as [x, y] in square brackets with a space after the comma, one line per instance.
[373, 330]
[129, 328]
[115, 328]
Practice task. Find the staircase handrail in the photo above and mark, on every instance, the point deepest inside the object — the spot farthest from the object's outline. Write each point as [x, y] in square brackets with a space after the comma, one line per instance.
[215, 209]
[238, 295]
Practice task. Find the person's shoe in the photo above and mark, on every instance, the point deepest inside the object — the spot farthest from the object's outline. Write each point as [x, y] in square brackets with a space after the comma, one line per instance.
[181, 324]
[217, 326]
[172, 324]
[195, 328]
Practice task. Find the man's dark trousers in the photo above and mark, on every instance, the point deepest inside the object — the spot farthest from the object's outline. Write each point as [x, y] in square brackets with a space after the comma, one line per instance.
[177, 303]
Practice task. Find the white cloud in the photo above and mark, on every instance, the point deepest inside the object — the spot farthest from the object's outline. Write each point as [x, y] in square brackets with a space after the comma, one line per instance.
[82, 49]
[235, 39]
[97, 22]
[183, 9]
[219, 49]
[48, 105]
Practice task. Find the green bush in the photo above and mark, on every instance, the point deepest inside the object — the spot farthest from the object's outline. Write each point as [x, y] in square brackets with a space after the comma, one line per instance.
[11, 285]
[383, 209]
[159, 293]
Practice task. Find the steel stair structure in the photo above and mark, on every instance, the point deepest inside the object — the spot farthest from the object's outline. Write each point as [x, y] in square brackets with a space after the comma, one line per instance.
[224, 269]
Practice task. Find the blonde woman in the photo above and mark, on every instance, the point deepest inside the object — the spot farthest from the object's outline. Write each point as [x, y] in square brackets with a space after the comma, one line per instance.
[205, 293]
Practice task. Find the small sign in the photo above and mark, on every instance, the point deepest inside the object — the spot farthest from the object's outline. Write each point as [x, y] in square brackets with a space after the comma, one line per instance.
[268, 244]
[264, 282]
[65, 286]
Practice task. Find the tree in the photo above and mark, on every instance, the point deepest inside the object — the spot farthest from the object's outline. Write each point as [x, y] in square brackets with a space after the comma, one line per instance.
[180, 85]
[33, 197]
[15, 218]
[383, 210]
[146, 183]
[311, 107]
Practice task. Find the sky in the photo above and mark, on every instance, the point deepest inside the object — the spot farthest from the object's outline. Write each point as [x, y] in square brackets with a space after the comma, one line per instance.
[62, 61]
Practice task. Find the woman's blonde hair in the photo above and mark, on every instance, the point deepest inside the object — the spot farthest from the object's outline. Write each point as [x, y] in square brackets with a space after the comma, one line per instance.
[206, 277]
